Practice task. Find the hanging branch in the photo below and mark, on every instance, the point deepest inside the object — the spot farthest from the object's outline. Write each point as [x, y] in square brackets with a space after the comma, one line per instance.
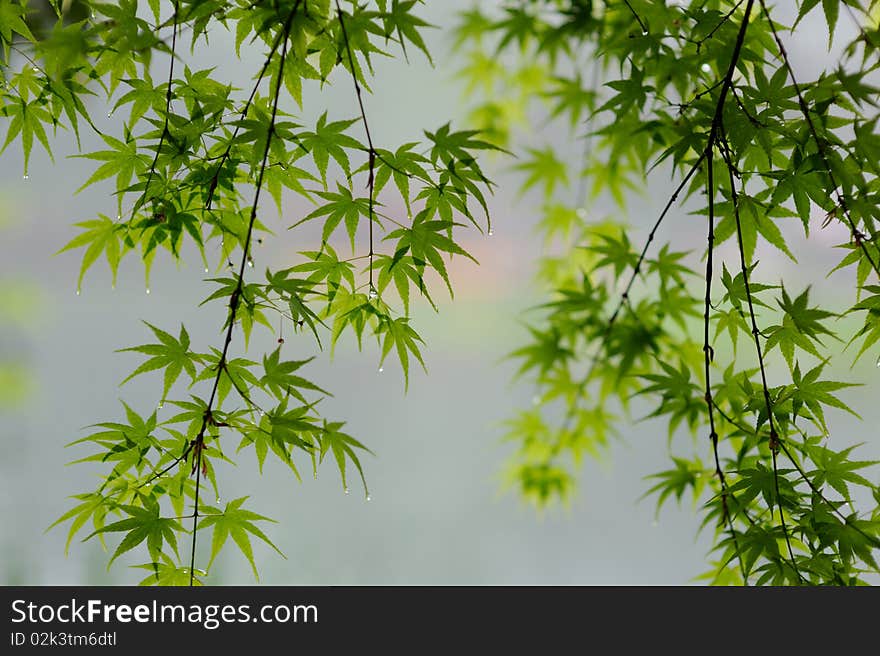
[197, 445]
[709, 356]
[841, 201]
[774, 441]
[372, 151]
[638, 18]
[216, 177]
[168, 95]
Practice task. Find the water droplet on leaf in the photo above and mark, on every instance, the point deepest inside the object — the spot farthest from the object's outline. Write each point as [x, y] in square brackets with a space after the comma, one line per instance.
[148, 290]
[25, 177]
[381, 369]
[706, 68]
[346, 490]
[369, 498]
[250, 262]
[372, 293]
[644, 32]
[491, 232]
[77, 292]
[206, 269]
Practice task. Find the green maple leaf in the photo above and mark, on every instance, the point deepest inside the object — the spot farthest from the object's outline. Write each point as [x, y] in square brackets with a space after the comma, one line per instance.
[330, 141]
[801, 326]
[341, 205]
[101, 236]
[143, 524]
[280, 379]
[400, 336]
[170, 354]
[343, 446]
[426, 240]
[235, 522]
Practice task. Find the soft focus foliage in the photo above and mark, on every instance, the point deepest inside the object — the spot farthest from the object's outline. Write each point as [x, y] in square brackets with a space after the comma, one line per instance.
[704, 91]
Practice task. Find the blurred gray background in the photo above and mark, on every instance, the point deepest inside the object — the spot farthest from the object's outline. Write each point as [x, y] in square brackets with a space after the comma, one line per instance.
[436, 514]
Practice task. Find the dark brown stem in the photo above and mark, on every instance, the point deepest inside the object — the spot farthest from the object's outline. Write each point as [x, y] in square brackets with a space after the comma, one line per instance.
[198, 446]
[820, 146]
[168, 96]
[372, 150]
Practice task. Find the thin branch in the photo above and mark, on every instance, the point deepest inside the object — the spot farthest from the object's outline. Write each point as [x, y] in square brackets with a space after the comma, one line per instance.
[870, 538]
[709, 355]
[372, 151]
[841, 201]
[216, 177]
[198, 442]
[699, 43]
[168, 96]
[774, 440]
[638, 18]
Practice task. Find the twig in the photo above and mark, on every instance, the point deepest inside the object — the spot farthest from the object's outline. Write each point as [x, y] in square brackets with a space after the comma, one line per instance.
[638, 18]
[841, 201]
[372, 151]
[197, 446]
[774, 440]
[709, 355]
[168, 96]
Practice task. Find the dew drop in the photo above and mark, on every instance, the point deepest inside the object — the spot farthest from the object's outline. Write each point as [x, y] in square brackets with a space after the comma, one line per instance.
[491, 233]
[369, 498]
[250, 263]
[706, 68]
[206, 269]
[148, 290]
[118, 217]
[218, 499]
[109, 114]
[878, 362]
[77, 292]
[644, 32]
[315, 475]
[25, 177]
[373, 293]
[346, 490]
[161, 405]
[381, 369]
[36, 70]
